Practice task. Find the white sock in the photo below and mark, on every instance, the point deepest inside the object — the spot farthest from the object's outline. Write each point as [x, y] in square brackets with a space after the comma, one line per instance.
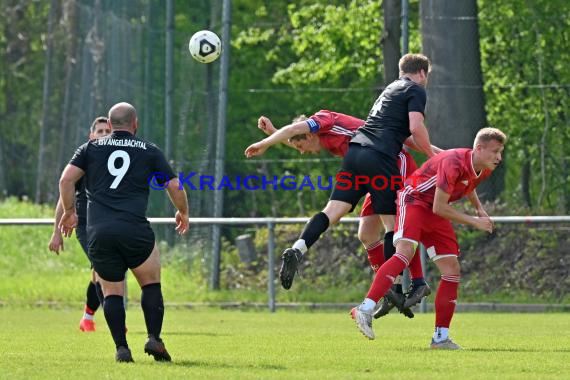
[88, 316]
[398, 280]
[440, 334]
[301, 246]
[367, 305]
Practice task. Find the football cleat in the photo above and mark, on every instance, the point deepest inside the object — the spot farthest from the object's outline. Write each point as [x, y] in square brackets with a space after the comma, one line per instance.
[155, 347]
[123, 355]
[446, 344]
[86, 325]
[289, 267]
[391, 300]
[416, 294]
[384, 309]
[363, 321]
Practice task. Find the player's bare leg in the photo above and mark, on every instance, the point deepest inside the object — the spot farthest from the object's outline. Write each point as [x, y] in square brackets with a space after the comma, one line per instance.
[318, 224]
[148, 277]
[445, 301]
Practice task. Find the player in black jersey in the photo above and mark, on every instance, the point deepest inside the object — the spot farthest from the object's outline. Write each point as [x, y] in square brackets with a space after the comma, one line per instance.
[99, 128]
[397, 114]
[117, 171]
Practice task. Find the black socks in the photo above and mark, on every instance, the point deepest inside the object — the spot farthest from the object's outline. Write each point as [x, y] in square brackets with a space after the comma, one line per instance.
[92, 300]
[389, 248]
[314, 228]
[115, 315]
[153, 308]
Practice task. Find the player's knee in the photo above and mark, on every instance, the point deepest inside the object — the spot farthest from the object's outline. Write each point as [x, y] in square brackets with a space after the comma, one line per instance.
[368, 238]
[449, 266]
[113, 288]
[336, 210]
[406, 248]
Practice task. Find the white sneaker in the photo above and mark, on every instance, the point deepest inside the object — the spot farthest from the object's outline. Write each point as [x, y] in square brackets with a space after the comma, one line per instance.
[447, 344]
[363, 321]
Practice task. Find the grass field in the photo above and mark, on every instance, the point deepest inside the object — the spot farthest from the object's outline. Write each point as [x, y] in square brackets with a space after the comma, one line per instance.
[45, 343]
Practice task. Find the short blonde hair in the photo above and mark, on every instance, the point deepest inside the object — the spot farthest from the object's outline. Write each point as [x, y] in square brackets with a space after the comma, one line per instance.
[298, 119]
[488, 134]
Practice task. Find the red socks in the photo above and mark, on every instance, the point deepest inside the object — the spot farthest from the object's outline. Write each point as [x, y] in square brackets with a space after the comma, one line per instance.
[415, 268]
[376, 255]
[445, 300]
[386, 275]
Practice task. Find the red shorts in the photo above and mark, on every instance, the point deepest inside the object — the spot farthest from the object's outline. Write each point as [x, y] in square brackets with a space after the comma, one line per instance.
[367, 206]
[420, 225]
[406, 166]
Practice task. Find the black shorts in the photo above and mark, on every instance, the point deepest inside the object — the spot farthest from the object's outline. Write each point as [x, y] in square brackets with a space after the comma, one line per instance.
[112, 254]
[81, 235]
[365, 170]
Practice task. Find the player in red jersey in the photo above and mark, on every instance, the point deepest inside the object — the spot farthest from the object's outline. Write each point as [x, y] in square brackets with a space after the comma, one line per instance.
[332, 131]
[425, 215]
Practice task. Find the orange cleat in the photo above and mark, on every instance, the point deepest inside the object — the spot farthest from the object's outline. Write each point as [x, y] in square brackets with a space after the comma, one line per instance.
[87, 325]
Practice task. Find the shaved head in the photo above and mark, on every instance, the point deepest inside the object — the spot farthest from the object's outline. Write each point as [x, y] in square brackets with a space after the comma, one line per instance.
[123, 116]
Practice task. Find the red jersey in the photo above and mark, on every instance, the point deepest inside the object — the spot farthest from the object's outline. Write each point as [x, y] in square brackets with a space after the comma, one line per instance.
[334, 130]
[452, 171]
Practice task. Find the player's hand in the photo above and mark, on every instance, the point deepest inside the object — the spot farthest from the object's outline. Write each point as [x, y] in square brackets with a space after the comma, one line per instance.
[266, 125]
[484, 224]
[256, 149]
[56, 243]
[182, 223]
[481, 213]
[67, 223]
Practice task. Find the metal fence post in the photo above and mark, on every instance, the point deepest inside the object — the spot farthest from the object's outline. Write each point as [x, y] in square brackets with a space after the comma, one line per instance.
[271, 265]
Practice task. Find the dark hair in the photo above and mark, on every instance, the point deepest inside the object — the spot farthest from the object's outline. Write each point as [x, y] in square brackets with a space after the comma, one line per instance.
[414, 63]
[99, 119]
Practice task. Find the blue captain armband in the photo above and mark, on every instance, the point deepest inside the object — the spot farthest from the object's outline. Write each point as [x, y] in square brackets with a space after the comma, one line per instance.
[313, 125]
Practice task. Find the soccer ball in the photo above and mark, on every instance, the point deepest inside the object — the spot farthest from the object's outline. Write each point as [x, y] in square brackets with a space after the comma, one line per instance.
[205, 46]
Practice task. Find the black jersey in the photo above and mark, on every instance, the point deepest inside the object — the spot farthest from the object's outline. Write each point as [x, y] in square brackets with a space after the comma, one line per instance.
[117, 171]
[81, 203]
[388, 124]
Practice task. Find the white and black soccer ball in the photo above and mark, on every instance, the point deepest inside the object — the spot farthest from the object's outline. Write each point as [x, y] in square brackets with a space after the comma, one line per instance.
[205, 46]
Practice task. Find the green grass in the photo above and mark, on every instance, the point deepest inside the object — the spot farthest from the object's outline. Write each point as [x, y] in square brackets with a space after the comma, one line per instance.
[208, 343]
[30, 273]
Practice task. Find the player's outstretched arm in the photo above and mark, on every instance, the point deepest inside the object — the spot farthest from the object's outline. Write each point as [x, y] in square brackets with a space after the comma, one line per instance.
[71, 174]
[266, 125]
[442, 208]
[178, 197]
[420, 135]
[56, 241]
[282, 135]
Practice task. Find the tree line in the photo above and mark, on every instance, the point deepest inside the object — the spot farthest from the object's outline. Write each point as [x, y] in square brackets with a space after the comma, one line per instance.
[495, 63]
